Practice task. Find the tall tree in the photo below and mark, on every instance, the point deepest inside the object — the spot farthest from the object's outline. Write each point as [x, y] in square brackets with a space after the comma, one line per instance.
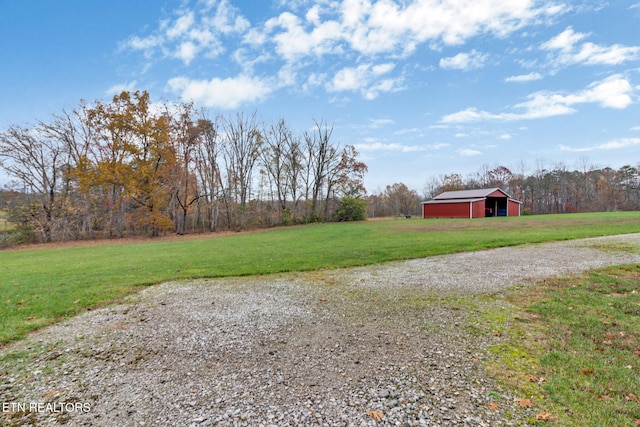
[136, 156]
[37, 161]
[208, 167]
[186, 133]
[278, 139]
[242, 150]
[401, 200]
[323, 160]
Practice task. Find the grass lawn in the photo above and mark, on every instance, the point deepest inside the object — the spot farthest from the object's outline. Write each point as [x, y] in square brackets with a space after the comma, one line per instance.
[573, 348]
[39, 286]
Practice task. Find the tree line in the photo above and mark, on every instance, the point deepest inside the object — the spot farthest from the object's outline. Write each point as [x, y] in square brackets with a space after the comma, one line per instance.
[543, 191]
[133, 166]
[555, 190]
[130, 166]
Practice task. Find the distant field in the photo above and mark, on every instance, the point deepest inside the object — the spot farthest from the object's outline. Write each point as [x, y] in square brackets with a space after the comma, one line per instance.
[42, 285]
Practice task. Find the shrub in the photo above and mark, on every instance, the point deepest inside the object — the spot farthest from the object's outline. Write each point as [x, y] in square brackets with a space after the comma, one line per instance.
[352, 209]
[17, 236]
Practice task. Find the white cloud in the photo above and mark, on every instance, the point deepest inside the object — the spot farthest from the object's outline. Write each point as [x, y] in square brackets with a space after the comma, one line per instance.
[439, 146]
[523, 78]
[227, 19]
[372, 145]
[613, 92]
[226, 93]
[366, 79]
[295, 42]
[610, 145]
[181, 26]
[119, 88]
[565, 41]
[378, 123]
[379, 146]
[144, 43]
[370, 28]
[468, 152]
[566, 49]
[505, 137]
[192, 32]
[187, 52]
[408, 131]
[464, 61]
[361, 29]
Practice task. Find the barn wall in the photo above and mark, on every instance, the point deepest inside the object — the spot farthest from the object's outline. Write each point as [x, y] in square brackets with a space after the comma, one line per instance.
[447, 210]
[496, 193]
[454, 210]
[514, 208]
[478, 209]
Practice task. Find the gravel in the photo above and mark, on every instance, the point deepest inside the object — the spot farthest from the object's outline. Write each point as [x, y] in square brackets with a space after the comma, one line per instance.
[367, 346]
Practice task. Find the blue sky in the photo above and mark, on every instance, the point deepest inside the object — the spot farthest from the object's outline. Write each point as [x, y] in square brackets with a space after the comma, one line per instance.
[422, 88]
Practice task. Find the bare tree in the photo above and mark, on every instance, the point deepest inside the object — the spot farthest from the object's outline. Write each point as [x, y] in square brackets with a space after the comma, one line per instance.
[241, 152]
[401, 200]
[323, 160]
[187, 132]
[37, 160]
[208, 167]
[278, 138]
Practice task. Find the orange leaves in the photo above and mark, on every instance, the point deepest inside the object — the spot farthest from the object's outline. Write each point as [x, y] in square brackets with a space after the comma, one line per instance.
[524, 403]
[376, 415]
[538, 380]
[528, 403]
[632, 397]
[494, 406]
[587, 371]
[545, 416]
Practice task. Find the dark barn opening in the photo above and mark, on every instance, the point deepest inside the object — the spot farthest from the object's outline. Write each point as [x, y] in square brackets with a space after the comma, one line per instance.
[496, 206]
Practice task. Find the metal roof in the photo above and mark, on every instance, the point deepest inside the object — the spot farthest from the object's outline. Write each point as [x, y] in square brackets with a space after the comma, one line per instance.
[468, 194]
[438, 202]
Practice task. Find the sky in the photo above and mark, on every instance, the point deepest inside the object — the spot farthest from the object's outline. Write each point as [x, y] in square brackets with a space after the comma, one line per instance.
[421, 88]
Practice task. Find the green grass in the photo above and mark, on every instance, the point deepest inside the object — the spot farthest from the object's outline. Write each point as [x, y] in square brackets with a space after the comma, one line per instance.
[41, 286]
[574, 346]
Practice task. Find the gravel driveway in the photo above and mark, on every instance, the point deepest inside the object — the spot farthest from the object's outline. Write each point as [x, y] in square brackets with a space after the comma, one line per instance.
[379, 345]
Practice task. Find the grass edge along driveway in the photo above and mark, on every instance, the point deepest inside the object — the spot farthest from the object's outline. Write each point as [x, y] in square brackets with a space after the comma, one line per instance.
[43, 285]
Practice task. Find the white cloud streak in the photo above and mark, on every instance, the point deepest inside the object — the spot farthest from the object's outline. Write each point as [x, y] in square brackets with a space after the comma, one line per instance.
[615, 144]
[365, 78]
[297, 38]
[119, 88]
[227, 93]
[403, 148]
[613, 92]
[372, 28]
[566, 49]
[524, 78]
[464, 61]
[468, 152]
[190, 34]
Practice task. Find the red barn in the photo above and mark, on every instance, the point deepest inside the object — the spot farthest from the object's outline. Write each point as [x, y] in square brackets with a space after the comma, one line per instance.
[471, 204]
